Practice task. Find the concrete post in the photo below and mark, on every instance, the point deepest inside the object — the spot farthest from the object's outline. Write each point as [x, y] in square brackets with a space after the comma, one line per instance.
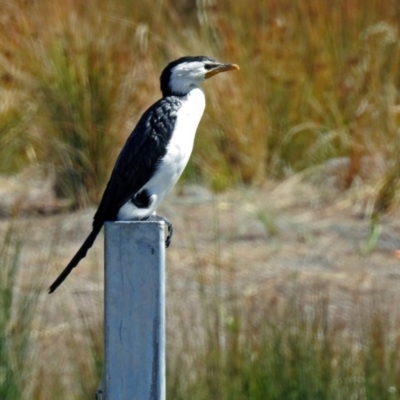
[134, 307]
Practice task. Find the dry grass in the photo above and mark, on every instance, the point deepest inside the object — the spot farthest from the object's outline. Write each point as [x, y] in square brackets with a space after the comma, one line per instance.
[318, 81]
[264, 300]
[319, 84]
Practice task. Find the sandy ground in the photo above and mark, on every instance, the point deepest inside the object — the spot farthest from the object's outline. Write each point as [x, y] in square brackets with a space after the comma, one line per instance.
[250, 242]
[256, 237]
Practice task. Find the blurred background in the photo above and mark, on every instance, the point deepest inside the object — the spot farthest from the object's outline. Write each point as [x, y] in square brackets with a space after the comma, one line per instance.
[283, 275]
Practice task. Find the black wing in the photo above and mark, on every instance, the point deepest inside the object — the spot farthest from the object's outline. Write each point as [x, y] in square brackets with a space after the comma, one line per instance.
[138, 160]
[136, 164]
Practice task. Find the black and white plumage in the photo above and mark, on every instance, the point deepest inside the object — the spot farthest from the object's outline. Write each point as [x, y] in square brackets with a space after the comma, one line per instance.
[157, 151]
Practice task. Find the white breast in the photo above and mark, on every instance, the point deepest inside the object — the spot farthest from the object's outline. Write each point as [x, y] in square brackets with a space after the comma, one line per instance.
[178, 153]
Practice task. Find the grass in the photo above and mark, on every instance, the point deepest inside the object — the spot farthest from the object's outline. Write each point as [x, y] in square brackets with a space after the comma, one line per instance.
[319, 81]
[295, 342]
[16, 147]
[38, 361]
[17, 314]
[294, 350]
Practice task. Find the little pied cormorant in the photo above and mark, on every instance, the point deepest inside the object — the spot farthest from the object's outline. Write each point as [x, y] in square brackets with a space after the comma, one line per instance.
[156, 152]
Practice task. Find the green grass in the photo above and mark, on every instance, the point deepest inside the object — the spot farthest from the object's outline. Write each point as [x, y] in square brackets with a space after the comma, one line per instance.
[17, 313]
[292, 351]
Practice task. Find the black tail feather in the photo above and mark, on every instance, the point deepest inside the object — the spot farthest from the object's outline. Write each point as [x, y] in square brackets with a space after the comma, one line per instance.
[81, 253]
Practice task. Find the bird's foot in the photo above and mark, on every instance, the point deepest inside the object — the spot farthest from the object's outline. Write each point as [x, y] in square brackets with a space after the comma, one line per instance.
[170, 229]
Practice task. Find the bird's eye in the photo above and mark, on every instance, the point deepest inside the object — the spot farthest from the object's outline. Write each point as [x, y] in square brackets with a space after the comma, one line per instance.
[209, 66]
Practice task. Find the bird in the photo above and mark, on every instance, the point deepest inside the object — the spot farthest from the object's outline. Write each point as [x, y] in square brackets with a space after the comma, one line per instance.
[155, 153]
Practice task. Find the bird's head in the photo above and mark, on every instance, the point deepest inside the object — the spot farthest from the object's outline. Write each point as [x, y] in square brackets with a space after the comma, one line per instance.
[186, 73]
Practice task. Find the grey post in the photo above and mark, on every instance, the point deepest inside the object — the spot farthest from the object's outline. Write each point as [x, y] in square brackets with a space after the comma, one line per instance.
[134, 308]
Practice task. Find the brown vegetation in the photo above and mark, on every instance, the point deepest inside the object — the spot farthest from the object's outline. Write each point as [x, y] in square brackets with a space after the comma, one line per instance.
[283, 287]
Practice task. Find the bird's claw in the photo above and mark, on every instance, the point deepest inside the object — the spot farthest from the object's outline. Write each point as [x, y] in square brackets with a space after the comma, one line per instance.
[170, 228]
[170, 231]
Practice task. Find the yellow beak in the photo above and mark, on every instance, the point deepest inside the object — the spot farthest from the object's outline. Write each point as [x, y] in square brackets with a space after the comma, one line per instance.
[221, 68]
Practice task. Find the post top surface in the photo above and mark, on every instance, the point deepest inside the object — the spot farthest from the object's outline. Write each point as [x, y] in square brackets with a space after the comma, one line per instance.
[133, 222]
